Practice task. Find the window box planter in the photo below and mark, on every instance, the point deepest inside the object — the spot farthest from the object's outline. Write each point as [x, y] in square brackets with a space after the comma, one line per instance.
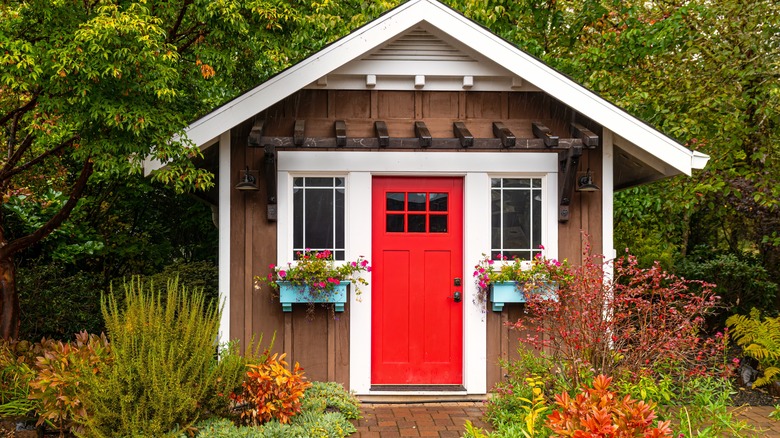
[512, 292]
[290, 294]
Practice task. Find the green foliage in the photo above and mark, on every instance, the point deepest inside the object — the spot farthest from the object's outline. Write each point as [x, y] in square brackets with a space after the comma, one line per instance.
[164, 367]
[332, 395]
[740, 280]
[759, 340]
[15, 375]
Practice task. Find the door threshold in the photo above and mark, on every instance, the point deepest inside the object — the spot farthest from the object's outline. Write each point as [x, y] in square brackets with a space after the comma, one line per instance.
[417, 388]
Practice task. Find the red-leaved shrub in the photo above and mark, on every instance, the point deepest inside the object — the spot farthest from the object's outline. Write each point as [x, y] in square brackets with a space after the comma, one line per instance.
[606, 326]
[600, 413]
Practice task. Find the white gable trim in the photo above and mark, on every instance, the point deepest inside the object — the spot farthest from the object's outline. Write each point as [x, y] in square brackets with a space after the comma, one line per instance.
[451, 26]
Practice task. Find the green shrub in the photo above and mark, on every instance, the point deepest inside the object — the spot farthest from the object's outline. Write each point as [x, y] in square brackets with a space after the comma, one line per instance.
[15, 375]
[331, 395]
[164, 368]
[759, 340]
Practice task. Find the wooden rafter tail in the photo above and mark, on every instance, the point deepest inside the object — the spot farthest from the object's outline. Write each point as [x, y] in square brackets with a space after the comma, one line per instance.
[381, 133]
[256, 134]
[570, 159]
[422, 133]
[298, 133]
[463, 133]
[589, 139]
[341, 133]
[508, 139]
[543, 132]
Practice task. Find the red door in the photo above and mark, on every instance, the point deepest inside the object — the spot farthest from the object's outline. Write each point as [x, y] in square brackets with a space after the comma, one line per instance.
[417, 324]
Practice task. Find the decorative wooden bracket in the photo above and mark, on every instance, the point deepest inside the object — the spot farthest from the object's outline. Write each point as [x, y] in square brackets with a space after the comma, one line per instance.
[381, 133]
[459, 130]
[508, 139]
[422, 132]
[569, 159]
[543, 132]
[589, 139]
[341, 133]
[298, 135]
[256, 134]
[269, 167]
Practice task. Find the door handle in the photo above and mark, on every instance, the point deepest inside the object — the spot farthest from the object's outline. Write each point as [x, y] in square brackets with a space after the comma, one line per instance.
[457, 297]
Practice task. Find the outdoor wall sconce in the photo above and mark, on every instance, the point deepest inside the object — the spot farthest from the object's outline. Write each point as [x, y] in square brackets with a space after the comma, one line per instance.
[248, 182]
[585, 183]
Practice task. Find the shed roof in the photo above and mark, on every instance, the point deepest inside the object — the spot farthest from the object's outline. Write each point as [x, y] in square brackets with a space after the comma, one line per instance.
[460, 48]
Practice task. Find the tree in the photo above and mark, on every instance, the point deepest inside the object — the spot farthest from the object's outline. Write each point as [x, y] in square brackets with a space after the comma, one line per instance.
[99, 85]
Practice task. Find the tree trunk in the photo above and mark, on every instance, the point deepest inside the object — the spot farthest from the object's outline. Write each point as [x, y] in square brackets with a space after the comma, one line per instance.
[9, 300]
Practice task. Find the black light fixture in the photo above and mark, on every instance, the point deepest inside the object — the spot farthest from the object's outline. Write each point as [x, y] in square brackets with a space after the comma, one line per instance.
[585, 183]
[248, 183]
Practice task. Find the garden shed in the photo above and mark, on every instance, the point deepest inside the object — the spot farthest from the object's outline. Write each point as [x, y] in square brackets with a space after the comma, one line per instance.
[421, 141]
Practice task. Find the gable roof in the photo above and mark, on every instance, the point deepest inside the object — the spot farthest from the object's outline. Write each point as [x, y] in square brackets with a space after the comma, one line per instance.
[469, 47]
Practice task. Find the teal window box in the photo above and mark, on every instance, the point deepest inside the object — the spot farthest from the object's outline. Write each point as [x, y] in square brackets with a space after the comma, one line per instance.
[511, 292]
[290, 294]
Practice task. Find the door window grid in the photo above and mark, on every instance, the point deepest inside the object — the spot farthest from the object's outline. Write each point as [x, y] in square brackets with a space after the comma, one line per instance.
[319, 215]
[516, 218]
[416, 212]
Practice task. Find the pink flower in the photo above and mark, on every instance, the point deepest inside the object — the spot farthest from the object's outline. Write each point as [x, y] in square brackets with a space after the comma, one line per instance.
[354, 264]
[363, 263]
[271, 266]
[368, 268]
[270, 277]
[282, 274]
[541, 246]
[334, 280]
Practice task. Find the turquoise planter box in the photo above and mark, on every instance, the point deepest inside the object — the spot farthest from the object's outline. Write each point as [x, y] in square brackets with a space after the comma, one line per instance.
[290, 294]
[509, 292]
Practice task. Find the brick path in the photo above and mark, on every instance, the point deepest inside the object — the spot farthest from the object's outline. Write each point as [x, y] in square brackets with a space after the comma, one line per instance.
[447, 419]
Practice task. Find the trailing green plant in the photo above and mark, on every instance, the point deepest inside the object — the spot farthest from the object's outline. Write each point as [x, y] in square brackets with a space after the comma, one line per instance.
[58, 377]
[598, 411]
[16, 372]
[759, 339]
[775, 415]
[164, 369]
[331, 395]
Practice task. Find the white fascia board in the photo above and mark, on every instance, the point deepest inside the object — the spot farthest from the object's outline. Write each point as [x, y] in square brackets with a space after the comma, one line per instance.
[560, 87]
[305, 72]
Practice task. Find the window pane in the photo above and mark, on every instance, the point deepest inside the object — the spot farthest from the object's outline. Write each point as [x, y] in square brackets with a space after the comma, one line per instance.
[339, 182]
[495, 219]
[438, 202]
[395, 202]
[495, 182]
[298, 217]
[417, 223]
[517, 219]
[339, 213]
[438, 223]
[416, 201]
[537, 219]
[319, 182]
[297, 182]
[517, 182]
[339, 255]
[318, 220]
[536, 183]
[522, 255]
[395, 223]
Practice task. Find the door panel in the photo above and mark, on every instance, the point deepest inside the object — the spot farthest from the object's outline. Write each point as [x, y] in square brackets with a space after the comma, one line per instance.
[417, 328]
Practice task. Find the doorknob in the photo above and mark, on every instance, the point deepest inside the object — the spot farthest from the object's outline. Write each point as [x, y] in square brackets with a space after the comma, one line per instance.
[457, 297]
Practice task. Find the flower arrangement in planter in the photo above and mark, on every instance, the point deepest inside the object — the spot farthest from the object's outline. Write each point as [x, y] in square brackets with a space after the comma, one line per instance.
[316, 278]
[504, 281]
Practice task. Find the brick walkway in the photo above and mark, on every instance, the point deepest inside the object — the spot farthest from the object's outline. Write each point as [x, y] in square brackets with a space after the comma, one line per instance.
[447, 419]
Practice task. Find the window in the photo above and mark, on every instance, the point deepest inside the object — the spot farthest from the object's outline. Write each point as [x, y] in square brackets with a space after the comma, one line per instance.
[416, 212]
[318, 215]
[516, 222]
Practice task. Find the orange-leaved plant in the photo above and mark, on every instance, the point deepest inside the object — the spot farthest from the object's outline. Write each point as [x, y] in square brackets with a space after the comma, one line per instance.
[272, 391]
[598, 412]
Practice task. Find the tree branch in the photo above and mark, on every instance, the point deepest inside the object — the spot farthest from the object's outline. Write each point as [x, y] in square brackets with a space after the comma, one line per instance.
[21, 110]
[17, 155]
[36, 236]
[172, 34]
[11, 172]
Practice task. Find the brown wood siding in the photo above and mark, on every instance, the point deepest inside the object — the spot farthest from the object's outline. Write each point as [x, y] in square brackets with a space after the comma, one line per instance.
[321, 344]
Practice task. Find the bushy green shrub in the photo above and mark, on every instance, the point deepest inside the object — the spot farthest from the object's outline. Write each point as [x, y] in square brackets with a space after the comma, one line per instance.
[331, 395]
[16, 371]
[164, 368]
[759, 339]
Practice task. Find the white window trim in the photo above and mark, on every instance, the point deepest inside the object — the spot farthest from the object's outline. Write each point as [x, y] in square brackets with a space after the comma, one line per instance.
[477, 168]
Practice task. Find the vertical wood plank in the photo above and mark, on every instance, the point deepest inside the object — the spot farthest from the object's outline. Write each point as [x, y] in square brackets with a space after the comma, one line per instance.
[504, 105]
[331, 104]
[374, 104]
[342, 347]
[461, 105]
[331, 349]
[237, 242]
[418, 105]
[288, 335]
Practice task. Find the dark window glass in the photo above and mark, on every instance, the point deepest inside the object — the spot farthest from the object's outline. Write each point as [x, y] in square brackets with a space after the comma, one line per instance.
[416, 201]
[395, 223]
[339, 182]
[417, 223]
[298, 217]
[395, 202]
[495, 182]
[536, 223]
[298, 182]
[523, 183]
[438, 223]
[536, 183]
[319, 182]
[438, 202]
[495, 219]
[517, 215]
[339, 213]
[522, 255]
[318, 220]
